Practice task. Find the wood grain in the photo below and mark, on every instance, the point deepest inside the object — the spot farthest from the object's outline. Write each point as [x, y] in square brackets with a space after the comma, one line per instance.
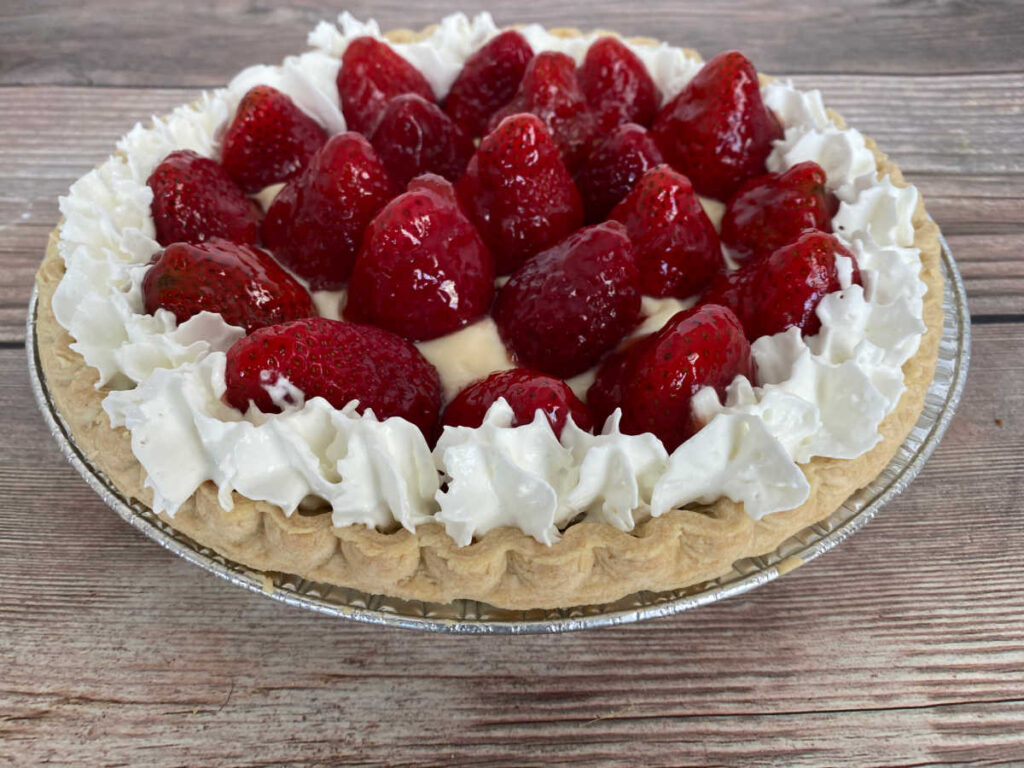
[154, 43]
[905, 639]
[904, 647]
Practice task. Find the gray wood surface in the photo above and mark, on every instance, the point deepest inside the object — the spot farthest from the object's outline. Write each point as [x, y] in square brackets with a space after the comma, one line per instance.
[904, 647]
[155, 42]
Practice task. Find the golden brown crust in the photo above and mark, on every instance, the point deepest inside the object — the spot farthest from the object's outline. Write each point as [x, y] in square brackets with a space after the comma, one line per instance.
[593, 563]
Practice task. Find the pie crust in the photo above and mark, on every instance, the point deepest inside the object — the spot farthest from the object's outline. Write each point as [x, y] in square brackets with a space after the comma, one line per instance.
[592, 563]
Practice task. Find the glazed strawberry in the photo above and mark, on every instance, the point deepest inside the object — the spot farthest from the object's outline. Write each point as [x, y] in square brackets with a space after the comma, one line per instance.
[773, 292]
[614, 168]
[550, 90]
[315, 224]
[525, 391]
[770, 211]
[677, 248]
[423, 270]
[518, 192]
[414, 136]
[655, 380]
[488, 81]
[717, 131]
[617, 85]
[372, 73]
[269, 141]
[244, 285]
[605, 393]
[194, 200]
[339, 362]
[568, 305]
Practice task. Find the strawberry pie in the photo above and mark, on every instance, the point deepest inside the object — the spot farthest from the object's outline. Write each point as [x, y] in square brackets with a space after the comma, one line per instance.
[533, 317]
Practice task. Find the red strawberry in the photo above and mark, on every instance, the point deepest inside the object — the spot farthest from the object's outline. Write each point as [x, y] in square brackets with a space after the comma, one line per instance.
[655, 380]
[518, 192]
[717, 130]
[568, 305]
[315, 225]
[613, 169]
[605, 393]
[617, 85]
[194, 200]
[525, 391]
[423, 270]
[372, 73]
[773, 292]
[488, 81]
[244, 285]
[414, 136]
[269, 141]
[677, 248]
[770, 211]
[339, 362]
[551, 91]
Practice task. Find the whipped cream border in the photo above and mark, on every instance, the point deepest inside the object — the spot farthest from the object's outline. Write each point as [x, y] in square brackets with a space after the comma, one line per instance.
[819, 396]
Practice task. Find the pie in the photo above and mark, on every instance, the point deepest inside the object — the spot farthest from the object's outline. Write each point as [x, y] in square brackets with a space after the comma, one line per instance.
[537, 318]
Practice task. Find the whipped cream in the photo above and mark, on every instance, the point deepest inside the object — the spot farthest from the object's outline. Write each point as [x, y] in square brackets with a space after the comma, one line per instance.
[738, 458]
[500, 475]
[617, 472]
[810, 134]
[819, 396]
[369, 472]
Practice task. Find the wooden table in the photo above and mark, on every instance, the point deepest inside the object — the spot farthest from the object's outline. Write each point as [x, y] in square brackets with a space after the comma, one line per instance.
[904, 647]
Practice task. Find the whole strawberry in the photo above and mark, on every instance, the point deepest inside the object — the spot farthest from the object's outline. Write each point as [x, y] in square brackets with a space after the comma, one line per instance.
[776, 291]
[769, 211]
[717, 131]
[242, 284]
[655, 380]
[568, 305]
[315, 224]
[414, 136]
[488, 81]
[525, 391]
[550, 90]
[614, 168]
[194, 200]
[617, 85]
[605, 392]
[269, 140]
[371, 74]
[677, 248]
[423, 270]
[339, 362]
[518, 192]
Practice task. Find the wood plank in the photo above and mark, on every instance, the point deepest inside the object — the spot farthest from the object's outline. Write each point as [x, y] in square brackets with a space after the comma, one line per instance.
[993, 272]
[980, 211]
[158, 43]
[904, 644]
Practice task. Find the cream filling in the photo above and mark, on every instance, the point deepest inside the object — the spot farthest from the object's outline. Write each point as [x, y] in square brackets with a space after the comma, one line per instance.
[466, 355]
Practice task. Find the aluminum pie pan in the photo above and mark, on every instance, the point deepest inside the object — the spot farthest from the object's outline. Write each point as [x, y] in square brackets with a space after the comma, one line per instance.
[473, 617]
